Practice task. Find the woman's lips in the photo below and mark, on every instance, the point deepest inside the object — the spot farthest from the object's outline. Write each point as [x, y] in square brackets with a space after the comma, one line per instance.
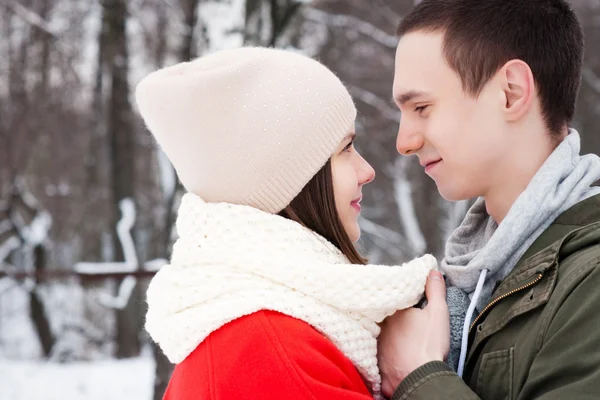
[356, 204]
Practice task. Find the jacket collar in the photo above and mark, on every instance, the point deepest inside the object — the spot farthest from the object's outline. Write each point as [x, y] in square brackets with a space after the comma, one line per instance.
[576, 228]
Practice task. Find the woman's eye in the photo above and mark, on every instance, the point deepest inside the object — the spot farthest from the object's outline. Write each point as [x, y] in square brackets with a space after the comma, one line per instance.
[349, 145]
[420, 109]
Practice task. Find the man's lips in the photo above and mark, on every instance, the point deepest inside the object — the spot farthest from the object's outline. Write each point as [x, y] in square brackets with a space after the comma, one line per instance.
[426, 163]
[430, 164]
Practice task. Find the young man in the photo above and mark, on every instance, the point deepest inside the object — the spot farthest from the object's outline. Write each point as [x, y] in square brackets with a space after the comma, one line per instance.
[486, 90]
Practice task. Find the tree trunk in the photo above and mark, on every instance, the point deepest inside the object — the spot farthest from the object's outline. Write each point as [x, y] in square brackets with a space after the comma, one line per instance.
[163, 372]
[122, 143]
[96, 159]
[187, 51]
[37, 310]
[259, 31]
[190, 18]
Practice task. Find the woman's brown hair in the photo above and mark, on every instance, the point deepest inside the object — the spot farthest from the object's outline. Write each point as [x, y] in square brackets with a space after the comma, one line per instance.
[315, 209]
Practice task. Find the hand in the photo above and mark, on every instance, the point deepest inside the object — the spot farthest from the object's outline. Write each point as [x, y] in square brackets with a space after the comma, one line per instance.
[411, 338]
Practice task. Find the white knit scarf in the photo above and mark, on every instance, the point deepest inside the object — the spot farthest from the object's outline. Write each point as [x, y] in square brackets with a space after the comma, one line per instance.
[232, 260]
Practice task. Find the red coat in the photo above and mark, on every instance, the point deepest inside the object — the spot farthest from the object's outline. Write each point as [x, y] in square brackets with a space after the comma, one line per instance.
[263, 356]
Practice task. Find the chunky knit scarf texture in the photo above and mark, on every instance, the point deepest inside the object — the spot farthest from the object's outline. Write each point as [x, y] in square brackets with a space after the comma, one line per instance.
[232, 260]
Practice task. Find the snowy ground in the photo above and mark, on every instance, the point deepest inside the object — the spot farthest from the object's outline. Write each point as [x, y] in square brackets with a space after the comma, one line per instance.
[94, 376]
[101, 380]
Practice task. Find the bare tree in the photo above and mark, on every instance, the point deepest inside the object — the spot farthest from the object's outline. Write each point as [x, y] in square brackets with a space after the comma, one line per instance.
[267, 20]
[121, 136]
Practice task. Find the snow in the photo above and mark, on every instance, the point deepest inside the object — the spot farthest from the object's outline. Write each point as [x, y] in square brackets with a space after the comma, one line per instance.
[37, 231]
[7, 247]
[224, 23]
[120, 301]
[130, 379]
[93, 268]
[17, 334]
[5, 284]
[124, 226]
[5, 225]
[155, 265]
[403, 192]
[82, 327]
[406, 208]
[168, 178]
[127, 207]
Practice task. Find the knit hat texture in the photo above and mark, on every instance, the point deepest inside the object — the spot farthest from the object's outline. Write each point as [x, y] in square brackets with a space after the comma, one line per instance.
[247, 126]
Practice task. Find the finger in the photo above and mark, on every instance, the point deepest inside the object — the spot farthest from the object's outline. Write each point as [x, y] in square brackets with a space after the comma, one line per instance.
[435, 290]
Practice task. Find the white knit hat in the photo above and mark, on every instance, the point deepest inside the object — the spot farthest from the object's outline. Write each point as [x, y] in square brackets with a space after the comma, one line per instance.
[247, 126]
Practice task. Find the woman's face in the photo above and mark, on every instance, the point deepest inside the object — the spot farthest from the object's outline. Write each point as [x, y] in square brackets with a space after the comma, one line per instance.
[350, 172]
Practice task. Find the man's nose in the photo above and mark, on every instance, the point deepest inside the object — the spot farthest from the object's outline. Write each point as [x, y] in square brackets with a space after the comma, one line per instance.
[409, 139]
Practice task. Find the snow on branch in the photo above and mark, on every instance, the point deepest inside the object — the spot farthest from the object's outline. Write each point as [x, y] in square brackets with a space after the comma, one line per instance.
[7, 247]
[37, 231]
[29, 223]
[406, 207]
[155, 265]
[103, 268]
[124, 226]
[5, 284]
[224, 23]
[386, 237]
[120, 301]
[351, 22]
[168, 177]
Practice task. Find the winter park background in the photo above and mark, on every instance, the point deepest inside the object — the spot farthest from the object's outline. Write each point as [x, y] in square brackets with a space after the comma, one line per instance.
[87, 202]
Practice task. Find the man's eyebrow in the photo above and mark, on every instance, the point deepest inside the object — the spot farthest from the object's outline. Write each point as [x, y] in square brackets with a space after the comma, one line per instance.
[403, 98]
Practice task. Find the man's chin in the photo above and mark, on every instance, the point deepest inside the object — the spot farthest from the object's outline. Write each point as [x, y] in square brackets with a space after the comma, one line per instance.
[454, 194]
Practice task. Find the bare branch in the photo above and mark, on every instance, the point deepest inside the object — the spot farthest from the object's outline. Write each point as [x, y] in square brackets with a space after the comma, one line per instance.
[384, 107]
[351, 22]
[34, 19]
[387, 239]
[29, 16]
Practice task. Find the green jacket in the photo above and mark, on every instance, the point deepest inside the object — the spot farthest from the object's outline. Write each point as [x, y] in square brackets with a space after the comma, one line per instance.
[539, 337]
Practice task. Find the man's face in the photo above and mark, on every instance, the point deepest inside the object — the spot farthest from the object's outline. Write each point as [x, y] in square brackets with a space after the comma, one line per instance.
[460, 141]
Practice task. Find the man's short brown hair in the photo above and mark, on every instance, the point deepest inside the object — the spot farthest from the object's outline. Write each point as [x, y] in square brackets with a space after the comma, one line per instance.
[480, 36]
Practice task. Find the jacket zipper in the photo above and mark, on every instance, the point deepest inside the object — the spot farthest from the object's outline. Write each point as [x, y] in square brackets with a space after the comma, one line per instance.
[530, 284]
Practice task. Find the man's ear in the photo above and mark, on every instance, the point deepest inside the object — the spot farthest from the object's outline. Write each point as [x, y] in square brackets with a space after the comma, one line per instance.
[519, 90]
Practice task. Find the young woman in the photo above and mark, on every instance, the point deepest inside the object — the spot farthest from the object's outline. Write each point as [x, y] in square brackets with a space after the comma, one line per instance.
[265, 296]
